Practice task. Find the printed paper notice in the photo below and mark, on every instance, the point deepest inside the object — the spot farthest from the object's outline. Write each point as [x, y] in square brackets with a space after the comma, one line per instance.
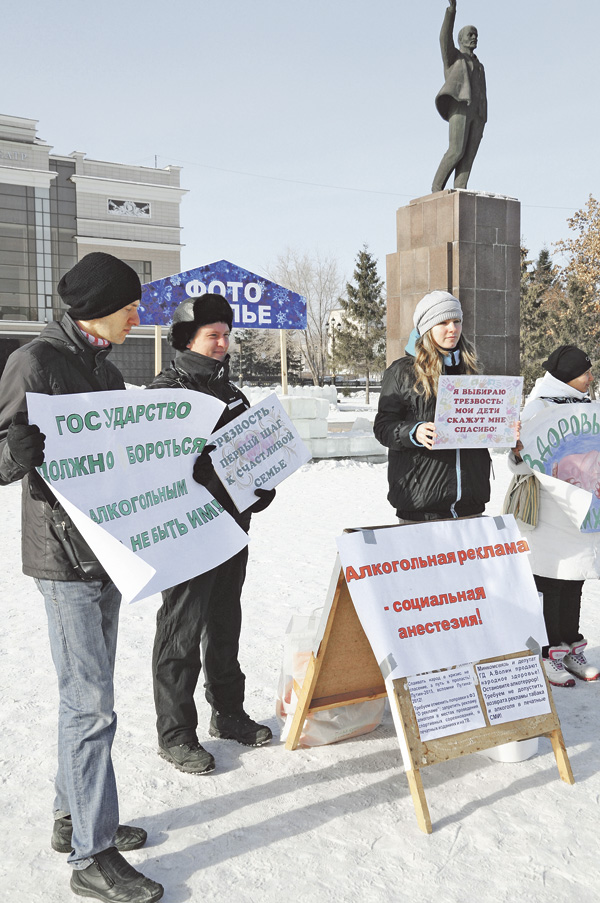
[477, 411]
[257, 450]
[446, 702]
[514, 689]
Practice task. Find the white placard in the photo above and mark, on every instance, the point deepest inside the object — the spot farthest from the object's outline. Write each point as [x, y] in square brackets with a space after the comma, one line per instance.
[121, 463]
[513, 689]
[477, 411]
[257, 450]
[439, 594]
[562, 442]
[446, 702]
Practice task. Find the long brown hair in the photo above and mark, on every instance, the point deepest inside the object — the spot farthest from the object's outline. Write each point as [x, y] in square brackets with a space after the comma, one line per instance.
[429, 363]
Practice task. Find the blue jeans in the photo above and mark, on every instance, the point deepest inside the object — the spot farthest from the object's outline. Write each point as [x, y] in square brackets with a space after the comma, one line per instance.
[83, 620]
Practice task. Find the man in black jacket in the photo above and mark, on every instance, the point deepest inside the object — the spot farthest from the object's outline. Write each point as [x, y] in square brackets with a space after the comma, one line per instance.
[200, 620]
[102, 295]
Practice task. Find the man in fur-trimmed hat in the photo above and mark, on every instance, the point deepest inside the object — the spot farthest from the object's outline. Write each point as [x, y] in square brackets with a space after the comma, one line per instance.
[199, 622]
[102, 295]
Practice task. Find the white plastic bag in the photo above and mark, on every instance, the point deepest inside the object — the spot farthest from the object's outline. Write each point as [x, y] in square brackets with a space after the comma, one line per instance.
[330, 725]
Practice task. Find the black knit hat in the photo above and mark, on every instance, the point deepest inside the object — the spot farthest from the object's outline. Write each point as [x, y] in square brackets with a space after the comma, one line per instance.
[99, 285]
[567, 363]
[193, 313]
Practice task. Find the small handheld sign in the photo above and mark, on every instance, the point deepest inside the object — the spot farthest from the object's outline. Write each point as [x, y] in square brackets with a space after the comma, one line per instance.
[477, 411]
[257, 450]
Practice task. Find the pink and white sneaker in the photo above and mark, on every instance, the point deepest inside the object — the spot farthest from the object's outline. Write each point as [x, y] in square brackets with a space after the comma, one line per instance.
[556, 672]
[576, 663]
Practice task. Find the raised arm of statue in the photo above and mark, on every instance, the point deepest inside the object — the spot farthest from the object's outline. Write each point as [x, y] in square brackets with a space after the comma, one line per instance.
[448, 47]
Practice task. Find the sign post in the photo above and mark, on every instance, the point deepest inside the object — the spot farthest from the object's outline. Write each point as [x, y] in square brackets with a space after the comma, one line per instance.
[283, 358]
[157, 348]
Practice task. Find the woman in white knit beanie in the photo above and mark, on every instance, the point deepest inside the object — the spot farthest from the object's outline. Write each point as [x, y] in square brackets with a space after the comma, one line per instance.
[426, 483]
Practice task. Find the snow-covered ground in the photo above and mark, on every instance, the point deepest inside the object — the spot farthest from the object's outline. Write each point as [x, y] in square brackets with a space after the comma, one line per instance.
[333, 823]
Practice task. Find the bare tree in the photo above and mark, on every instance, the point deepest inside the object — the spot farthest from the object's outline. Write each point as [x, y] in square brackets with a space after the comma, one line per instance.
[318, 279]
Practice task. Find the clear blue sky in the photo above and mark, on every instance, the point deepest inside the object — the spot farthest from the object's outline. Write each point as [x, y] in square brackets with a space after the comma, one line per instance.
[306, 124]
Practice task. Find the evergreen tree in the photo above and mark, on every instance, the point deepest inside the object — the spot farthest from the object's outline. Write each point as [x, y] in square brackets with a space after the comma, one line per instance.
[537, 282]
[358, 343]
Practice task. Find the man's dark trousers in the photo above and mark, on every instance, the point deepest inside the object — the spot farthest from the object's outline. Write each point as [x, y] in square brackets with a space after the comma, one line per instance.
[202, 615]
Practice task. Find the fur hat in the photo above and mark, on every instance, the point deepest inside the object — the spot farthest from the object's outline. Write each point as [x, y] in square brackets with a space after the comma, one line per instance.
[193, 313]
[434, 308]
[567, 362]
[99, 285]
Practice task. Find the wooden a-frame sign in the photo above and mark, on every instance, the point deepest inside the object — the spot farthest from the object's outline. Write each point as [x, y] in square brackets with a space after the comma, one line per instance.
[343, 671]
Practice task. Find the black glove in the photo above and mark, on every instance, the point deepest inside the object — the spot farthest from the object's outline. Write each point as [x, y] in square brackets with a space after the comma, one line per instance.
[203, 466]
[25, 442]
[265, 497]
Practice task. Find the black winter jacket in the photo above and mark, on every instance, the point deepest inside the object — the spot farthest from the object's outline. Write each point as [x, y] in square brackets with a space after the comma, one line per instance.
[425, 484]
[40, 367]
[191, 370]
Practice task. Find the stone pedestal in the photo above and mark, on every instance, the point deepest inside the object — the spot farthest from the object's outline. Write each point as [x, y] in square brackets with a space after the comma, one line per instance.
[469, 244]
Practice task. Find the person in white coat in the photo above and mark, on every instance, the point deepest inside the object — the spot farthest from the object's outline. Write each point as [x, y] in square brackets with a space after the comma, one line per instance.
[562, 557]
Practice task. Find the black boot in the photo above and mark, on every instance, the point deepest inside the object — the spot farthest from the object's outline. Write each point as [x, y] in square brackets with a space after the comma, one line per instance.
[127, 837]
[189, 757]
[112, 879]
[240, 727]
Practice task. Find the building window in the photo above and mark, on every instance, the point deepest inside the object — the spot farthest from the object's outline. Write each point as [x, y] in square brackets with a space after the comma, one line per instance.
[129, 208]
[18, 275]
[143, 268]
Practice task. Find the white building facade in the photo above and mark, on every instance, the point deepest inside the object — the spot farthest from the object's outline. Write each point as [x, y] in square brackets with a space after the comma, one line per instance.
[56, 209]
